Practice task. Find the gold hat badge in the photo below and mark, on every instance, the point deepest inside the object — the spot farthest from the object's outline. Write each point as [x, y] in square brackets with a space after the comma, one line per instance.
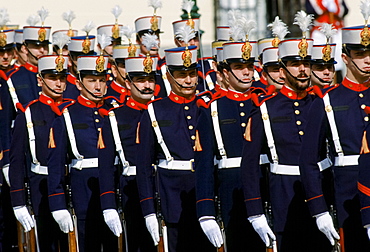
[87, 43]
[69, 16]
[187, 6]
[303, 21]
[4, 18]
[60, 40]
[365, 33]
[279, 30]
[43, 14]
[149, 41]
[127, 32]
[154, 20]
[328, 30]
[104, 41]
[116, 11]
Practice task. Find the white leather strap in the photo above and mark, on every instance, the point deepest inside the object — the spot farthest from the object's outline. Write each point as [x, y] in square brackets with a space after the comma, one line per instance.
[39, 169]
[264, 159]
[158, 133]
[229, 162]
[294, 169]
[31, 135]
[167, 84]
[210, 83]
[13, 93]
[346, 160]
[129, 171]
[71, 136]
[268, 132]
[79, 164]
[186, 165]
[217, 130]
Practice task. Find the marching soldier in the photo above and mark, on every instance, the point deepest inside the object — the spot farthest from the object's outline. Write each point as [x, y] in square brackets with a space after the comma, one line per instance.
[119, 137]
[277, 125]
[166, 137]
[30, 141]
[341, 116]
[220, 128]
[74, 138]
[20, 56]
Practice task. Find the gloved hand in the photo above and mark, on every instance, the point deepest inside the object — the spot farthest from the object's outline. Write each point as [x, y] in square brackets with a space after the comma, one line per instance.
[330, 5]
[212, 230]
[368, 230]
[325, 224]
[261, 226]
[153, 227]
[64, 220]
[24, 217]
[111, 217]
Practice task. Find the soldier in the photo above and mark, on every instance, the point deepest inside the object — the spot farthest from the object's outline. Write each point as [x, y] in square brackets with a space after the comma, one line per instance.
[74, 138]
[124, 121]
[30, 141]
[20, 56]
[341, 116]
[220, 128]
[7, 53]
[166, 137]
[277, 125]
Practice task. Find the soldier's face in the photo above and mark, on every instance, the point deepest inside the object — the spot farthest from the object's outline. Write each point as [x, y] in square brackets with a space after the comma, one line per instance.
[362, 60]
[300, 69]
[145, 84]
[56, 82]
[37, 51]
[324, 72]
[187, 79]
[93, 87]
[274, 72]
[243, 72]
[6, 57]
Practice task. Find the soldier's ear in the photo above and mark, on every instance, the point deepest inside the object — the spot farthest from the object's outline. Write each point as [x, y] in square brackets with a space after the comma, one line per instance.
[78, 85]
[345, 58]
[24, 49]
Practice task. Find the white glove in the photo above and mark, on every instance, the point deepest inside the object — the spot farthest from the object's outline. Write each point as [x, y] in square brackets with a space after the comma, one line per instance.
[111, 217]
[261, 226]
[330, 5]
[325, 224]
[64, 220]
[6, 173]
[212, 230]
[24, 217]
[368, 230]
[152, 226]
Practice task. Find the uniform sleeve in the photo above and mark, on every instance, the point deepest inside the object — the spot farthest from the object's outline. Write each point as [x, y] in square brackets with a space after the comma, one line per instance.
[106, 156]
[17, 168]
[254, 137]
[313, 144]
[363, 185]
[144, 161]
[204, 165]
[57, 161]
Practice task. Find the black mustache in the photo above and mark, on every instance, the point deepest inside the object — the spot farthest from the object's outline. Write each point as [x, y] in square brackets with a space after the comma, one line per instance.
[147, 91]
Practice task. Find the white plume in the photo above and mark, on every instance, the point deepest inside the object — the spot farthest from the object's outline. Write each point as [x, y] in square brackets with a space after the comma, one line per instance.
[33, 20]
[104, 40]
[156, 4]
[4, 17]
[43, 13]
[303, 20]
[116, 11]
[328, 30]
[69, 16]
[365, 9]
[60, 39]
[150, 41]
[185, 33]
[187, 5]
[279, 28]
[247, 26]
[88, 27]
[127, 31]
[242, 28]
[233, 16]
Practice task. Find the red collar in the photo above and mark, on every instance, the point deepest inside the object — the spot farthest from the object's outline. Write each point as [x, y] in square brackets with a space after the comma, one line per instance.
[87, 103]
[179, 99]
[30, 67]
[263, 80]
[292, 94]
[355, 86]
[49, 101]
[71, 79]
[118, 88]
[135, 105]
[238, 96]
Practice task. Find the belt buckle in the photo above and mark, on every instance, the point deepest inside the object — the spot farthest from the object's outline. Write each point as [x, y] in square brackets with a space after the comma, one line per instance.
[192, 165]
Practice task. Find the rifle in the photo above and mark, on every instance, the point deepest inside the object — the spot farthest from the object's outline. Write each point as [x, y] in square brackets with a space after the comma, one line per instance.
[72, 235]
[221, 224]
[162, 244]
[268, 213]
[333, 214]
[122, 239]
[27, 240]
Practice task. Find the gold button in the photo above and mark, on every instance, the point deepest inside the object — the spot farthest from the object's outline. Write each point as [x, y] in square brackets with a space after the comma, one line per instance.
[110, 78]
[188, 117]
[243, 124]
[245, 95]
[366, 118]
[297, 112]
[96, 112]
[191, 127]
[40, 93]
[301, 133]
[236, 96]
[298, 122]
[296, 104]
[176, 98]
[186, 108]
[109, 71]
[88, 103]
[328, 108]
[193, 137]
[123, 90]
[242, 114]
[132, 103]
[241, 104]
[97, 120]
[49, 102]
[363, 106]
[31, 68]
[361, 95]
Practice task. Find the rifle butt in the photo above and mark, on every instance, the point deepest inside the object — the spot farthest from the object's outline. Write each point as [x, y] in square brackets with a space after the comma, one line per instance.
[72, 242]
[32, 240]
[221, 249]
[120, 243]
[269, 249]
[160, 247]
[21, 238]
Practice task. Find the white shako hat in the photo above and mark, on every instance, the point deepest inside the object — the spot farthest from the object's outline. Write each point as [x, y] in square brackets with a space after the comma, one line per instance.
[220, 54]
[7, 39]
[323, 54]
[18, 36]
[181, 58]
[148, 24]
[53, 64]
[193, 23]
[112, 31]
[295, 49]
[222, 33]
[81, 46]
[215, 45]
[36, 34]
[92, 64]
[121, 52]
[142, 66]
[265, 43]
[66, 32]
[270, 56]
[356, 38]
[240, 51]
